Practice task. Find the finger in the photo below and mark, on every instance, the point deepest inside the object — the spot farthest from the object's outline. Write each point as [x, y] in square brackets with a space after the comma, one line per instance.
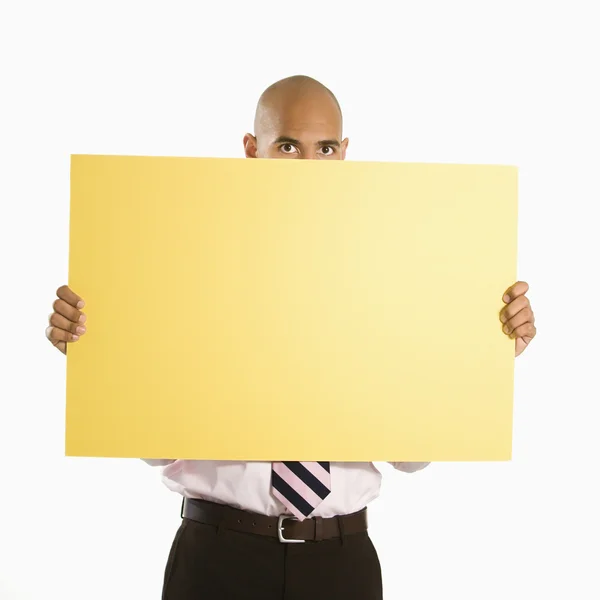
[63, 323]
[62, 346]
[522, 317]
[524, 331]
[65, 293]
[67, 311]
[518, 289]
[54, 334]
[516, 306]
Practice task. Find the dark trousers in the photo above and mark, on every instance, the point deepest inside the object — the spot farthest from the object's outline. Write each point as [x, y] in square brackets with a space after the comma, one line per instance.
[210, 563]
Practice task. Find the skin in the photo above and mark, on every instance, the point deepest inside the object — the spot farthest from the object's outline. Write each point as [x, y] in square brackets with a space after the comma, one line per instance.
[296, 118]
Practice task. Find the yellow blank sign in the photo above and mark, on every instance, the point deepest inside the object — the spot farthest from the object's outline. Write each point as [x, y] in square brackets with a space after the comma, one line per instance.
[291, 310]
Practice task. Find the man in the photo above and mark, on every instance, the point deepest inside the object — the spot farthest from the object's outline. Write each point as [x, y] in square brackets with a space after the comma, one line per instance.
[279, 530]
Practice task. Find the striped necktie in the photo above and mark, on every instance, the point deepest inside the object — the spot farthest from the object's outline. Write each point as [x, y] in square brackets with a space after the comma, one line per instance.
[301, 486]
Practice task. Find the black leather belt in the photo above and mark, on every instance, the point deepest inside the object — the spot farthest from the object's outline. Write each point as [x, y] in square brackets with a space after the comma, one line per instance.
[287, 529]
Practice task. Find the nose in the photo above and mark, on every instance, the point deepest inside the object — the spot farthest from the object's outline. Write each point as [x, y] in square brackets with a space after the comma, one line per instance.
[309, 155]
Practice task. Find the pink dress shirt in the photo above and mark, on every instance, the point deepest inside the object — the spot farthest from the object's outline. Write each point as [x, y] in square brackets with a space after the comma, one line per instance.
[247, 485]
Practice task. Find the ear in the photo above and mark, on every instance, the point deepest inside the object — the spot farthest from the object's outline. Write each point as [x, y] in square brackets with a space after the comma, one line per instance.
[344, 148]
[250, 146]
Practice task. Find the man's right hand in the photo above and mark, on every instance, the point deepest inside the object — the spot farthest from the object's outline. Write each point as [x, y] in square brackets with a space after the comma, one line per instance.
[67, 322]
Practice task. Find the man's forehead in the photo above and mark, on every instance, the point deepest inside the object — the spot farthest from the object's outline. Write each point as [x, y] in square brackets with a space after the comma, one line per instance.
[305, 128]
[309, 116]
[305, 131]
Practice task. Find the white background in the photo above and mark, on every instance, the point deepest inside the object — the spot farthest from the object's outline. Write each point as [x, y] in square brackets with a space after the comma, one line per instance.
[486, 82]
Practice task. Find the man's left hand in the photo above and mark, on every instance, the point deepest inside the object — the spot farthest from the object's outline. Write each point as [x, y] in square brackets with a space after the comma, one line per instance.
[517, 317]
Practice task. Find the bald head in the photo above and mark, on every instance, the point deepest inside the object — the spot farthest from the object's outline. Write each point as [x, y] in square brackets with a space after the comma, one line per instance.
[297, 117]
[294, 93]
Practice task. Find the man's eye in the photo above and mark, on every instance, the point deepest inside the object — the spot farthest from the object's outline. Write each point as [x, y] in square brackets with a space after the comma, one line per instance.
[327, 150]
[288, 148]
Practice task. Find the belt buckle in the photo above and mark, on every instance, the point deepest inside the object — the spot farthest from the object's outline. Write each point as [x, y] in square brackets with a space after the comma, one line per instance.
[280, 529]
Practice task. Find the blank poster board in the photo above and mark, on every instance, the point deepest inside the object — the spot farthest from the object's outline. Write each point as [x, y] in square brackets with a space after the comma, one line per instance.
[291, 310]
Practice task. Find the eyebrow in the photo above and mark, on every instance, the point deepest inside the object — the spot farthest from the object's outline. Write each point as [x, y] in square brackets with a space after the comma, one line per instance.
[329, 143]
[283, 139]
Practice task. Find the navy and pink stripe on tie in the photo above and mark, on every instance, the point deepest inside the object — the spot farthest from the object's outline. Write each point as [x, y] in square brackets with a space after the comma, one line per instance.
[301, 486]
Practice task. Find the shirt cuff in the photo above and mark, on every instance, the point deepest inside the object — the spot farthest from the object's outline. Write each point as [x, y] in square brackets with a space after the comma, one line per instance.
[409, 467]
[158, 462]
